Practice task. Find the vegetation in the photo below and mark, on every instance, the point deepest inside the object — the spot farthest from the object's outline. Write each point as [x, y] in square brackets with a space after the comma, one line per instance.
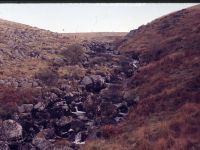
[10, 98]
[74, 54]
[47, 76]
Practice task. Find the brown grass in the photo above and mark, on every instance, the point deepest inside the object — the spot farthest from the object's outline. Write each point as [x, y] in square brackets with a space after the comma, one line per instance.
[177, 131]
[168, 84]
[10, 98]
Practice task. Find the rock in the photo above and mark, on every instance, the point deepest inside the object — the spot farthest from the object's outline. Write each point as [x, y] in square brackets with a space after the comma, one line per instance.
[64, 121]
[48, 133]
[11, 130]
[65, 87]
[91, 103]
[58, 61]
[40, 106]
[35, 84]
[34, 54]
[77, 125]
[25, 108]
[1, 59]
[8, 84]
[40, 142]
[53, 96]
[93, 83]
[2, 82]
[15, 84]
[116, 52]
[86, 81]
[56, 91]
[4, 146]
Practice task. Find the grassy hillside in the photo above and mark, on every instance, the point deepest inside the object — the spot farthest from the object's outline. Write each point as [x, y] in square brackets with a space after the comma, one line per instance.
[167, 86]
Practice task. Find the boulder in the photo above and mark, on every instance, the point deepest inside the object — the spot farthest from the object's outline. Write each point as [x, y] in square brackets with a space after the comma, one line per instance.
[93, 83]
[77, 125]
[11, 130]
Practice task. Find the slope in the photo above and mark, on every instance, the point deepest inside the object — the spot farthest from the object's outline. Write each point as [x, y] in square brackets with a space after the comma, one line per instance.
[166, 87]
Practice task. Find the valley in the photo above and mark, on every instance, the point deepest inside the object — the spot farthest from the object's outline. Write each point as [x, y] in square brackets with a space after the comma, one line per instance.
[101, 91]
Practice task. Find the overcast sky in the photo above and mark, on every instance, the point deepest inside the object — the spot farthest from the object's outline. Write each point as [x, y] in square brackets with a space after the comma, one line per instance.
[87, 17]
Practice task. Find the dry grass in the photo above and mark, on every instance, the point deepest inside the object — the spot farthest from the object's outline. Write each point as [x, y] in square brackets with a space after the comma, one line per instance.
[177, 131]
[26, 68]
[72, 71]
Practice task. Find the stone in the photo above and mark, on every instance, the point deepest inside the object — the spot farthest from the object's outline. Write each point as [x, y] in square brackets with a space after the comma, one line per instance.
[15, 84]
[53, 96]
[2, 82]
[77, 125]
[90, 104]
[25, 108]
[65, 87]
[64, 121]
[11, 130]
[40, 106]
[93, 83]
[86, 81]
[40, 142]
[8, 84]
[48, 133]
[35, 84]
[56, 91]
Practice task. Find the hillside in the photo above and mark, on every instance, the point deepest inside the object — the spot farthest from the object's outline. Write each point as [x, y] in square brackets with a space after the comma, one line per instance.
[166, 87]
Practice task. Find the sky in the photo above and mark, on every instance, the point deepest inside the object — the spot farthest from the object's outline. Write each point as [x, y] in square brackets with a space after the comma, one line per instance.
[70, 18]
